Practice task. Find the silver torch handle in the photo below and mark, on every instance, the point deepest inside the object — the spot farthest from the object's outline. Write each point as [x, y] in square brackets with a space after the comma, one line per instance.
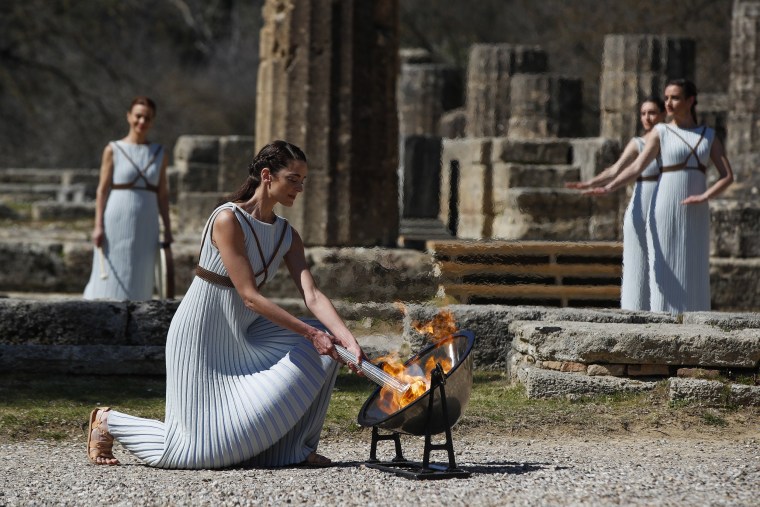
[372, 372]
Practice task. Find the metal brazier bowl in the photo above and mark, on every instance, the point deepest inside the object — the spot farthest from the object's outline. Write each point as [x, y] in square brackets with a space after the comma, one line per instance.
[412, 418]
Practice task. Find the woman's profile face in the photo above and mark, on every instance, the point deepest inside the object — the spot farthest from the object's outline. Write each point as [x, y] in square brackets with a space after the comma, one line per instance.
[650, 115]
[676, 103]
[140, 118]
[288, 182]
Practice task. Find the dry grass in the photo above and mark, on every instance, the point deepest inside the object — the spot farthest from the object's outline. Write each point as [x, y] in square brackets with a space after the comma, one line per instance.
[56, 407]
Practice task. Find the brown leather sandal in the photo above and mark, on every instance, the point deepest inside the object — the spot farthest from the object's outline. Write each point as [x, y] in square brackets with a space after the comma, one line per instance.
[102, 447]
[316, 460]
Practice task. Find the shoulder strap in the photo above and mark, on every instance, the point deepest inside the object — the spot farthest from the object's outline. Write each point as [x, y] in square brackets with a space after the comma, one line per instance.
[141, 172]
[694, 148]
[265, 263]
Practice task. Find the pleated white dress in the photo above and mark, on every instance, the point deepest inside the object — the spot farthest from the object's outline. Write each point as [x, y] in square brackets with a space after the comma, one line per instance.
[634, 293]
[239, 389]
[679, 261]
[131, 226]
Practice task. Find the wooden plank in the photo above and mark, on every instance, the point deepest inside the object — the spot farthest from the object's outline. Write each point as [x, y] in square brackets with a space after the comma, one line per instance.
[451, 269]
[587, 248]
[535, 291]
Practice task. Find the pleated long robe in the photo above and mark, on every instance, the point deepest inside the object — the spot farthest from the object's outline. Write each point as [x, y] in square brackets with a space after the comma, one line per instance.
[240, 389]
[679, 250]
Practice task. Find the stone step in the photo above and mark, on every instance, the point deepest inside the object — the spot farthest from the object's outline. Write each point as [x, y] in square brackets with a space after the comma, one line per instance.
[661, 344]
[25, 192]
[50, 176]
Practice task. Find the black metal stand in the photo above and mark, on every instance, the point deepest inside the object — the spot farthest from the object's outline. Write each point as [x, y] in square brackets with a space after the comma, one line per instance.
[426, 470]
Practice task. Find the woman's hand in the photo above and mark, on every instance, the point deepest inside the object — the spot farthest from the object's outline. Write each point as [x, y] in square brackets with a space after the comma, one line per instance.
[597, 191]
[98, 234]
[695, 199]
[323, 342]
[577, 185]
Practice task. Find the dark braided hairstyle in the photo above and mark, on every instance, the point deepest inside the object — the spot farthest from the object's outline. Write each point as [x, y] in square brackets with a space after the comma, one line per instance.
[689, 90]
[276, 156]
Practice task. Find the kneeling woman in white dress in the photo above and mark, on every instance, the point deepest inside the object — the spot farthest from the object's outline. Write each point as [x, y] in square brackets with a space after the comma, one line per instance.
[679, 215]
[634, 294]
[246, 382]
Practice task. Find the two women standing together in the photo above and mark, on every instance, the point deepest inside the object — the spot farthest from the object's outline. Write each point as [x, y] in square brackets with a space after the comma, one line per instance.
[666, 243]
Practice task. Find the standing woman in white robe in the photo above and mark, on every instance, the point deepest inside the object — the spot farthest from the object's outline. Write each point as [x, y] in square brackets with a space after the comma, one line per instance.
[132, 193]
[679, 217]
[634, 294]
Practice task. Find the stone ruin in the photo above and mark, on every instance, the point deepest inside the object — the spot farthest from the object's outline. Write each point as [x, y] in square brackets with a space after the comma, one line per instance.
[508, 151]
[479, 155]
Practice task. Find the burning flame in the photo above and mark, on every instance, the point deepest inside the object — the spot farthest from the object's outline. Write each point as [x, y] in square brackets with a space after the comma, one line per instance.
[439, 330]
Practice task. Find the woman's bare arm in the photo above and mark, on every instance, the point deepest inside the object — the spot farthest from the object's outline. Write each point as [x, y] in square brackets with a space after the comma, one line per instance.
[719, 159]
[228, 237]
[101, 195]
[629, 154]
[630, 173]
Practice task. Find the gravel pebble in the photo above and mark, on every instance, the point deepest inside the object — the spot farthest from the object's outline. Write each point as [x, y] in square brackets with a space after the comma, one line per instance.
[639, 470]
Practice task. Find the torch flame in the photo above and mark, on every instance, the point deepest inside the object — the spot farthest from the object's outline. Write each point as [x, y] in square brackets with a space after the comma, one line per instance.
[439, 330]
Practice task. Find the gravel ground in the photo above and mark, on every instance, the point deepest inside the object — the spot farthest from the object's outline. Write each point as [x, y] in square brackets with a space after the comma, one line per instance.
[639, 470]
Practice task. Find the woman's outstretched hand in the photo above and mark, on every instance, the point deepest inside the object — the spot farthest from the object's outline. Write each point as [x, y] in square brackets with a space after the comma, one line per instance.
[596, 191]
[577, 185]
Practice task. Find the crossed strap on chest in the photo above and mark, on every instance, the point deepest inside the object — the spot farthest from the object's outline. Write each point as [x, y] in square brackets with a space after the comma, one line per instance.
[683, 165]
[140, 173]
[226, 281]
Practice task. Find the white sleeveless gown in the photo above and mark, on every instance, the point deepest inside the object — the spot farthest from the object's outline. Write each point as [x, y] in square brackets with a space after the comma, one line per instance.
[131, 228]
[634, 293]
[679, 262]
[239, 389]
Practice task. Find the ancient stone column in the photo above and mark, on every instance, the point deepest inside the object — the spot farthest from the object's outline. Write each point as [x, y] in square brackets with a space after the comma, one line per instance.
[327, 82]
[489, 73]
[744, 85]
[634, 67]
[545, 105]
[426, 91]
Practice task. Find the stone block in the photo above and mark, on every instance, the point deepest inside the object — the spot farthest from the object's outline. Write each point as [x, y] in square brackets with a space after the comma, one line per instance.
[414, 55]
[194, 208]
[536, 151]
[713, 393]
[510, 175]
[542, 384]
[723, 320]
[734, 284]
[735, 228]
[648, 370]
[63, 322]
[96, 360]
[655, 344]
[235, 153]
[425, 91]
[489, 72]
[700, 373]
[474, 226]
[545, 106]
[452, 124]
[467, 151]
[613, 370]
[200, 149]
[198, 177]
[49, 210]
[475, 187]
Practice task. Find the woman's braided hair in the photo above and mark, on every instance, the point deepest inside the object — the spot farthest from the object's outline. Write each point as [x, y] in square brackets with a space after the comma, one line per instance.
[275, 156]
